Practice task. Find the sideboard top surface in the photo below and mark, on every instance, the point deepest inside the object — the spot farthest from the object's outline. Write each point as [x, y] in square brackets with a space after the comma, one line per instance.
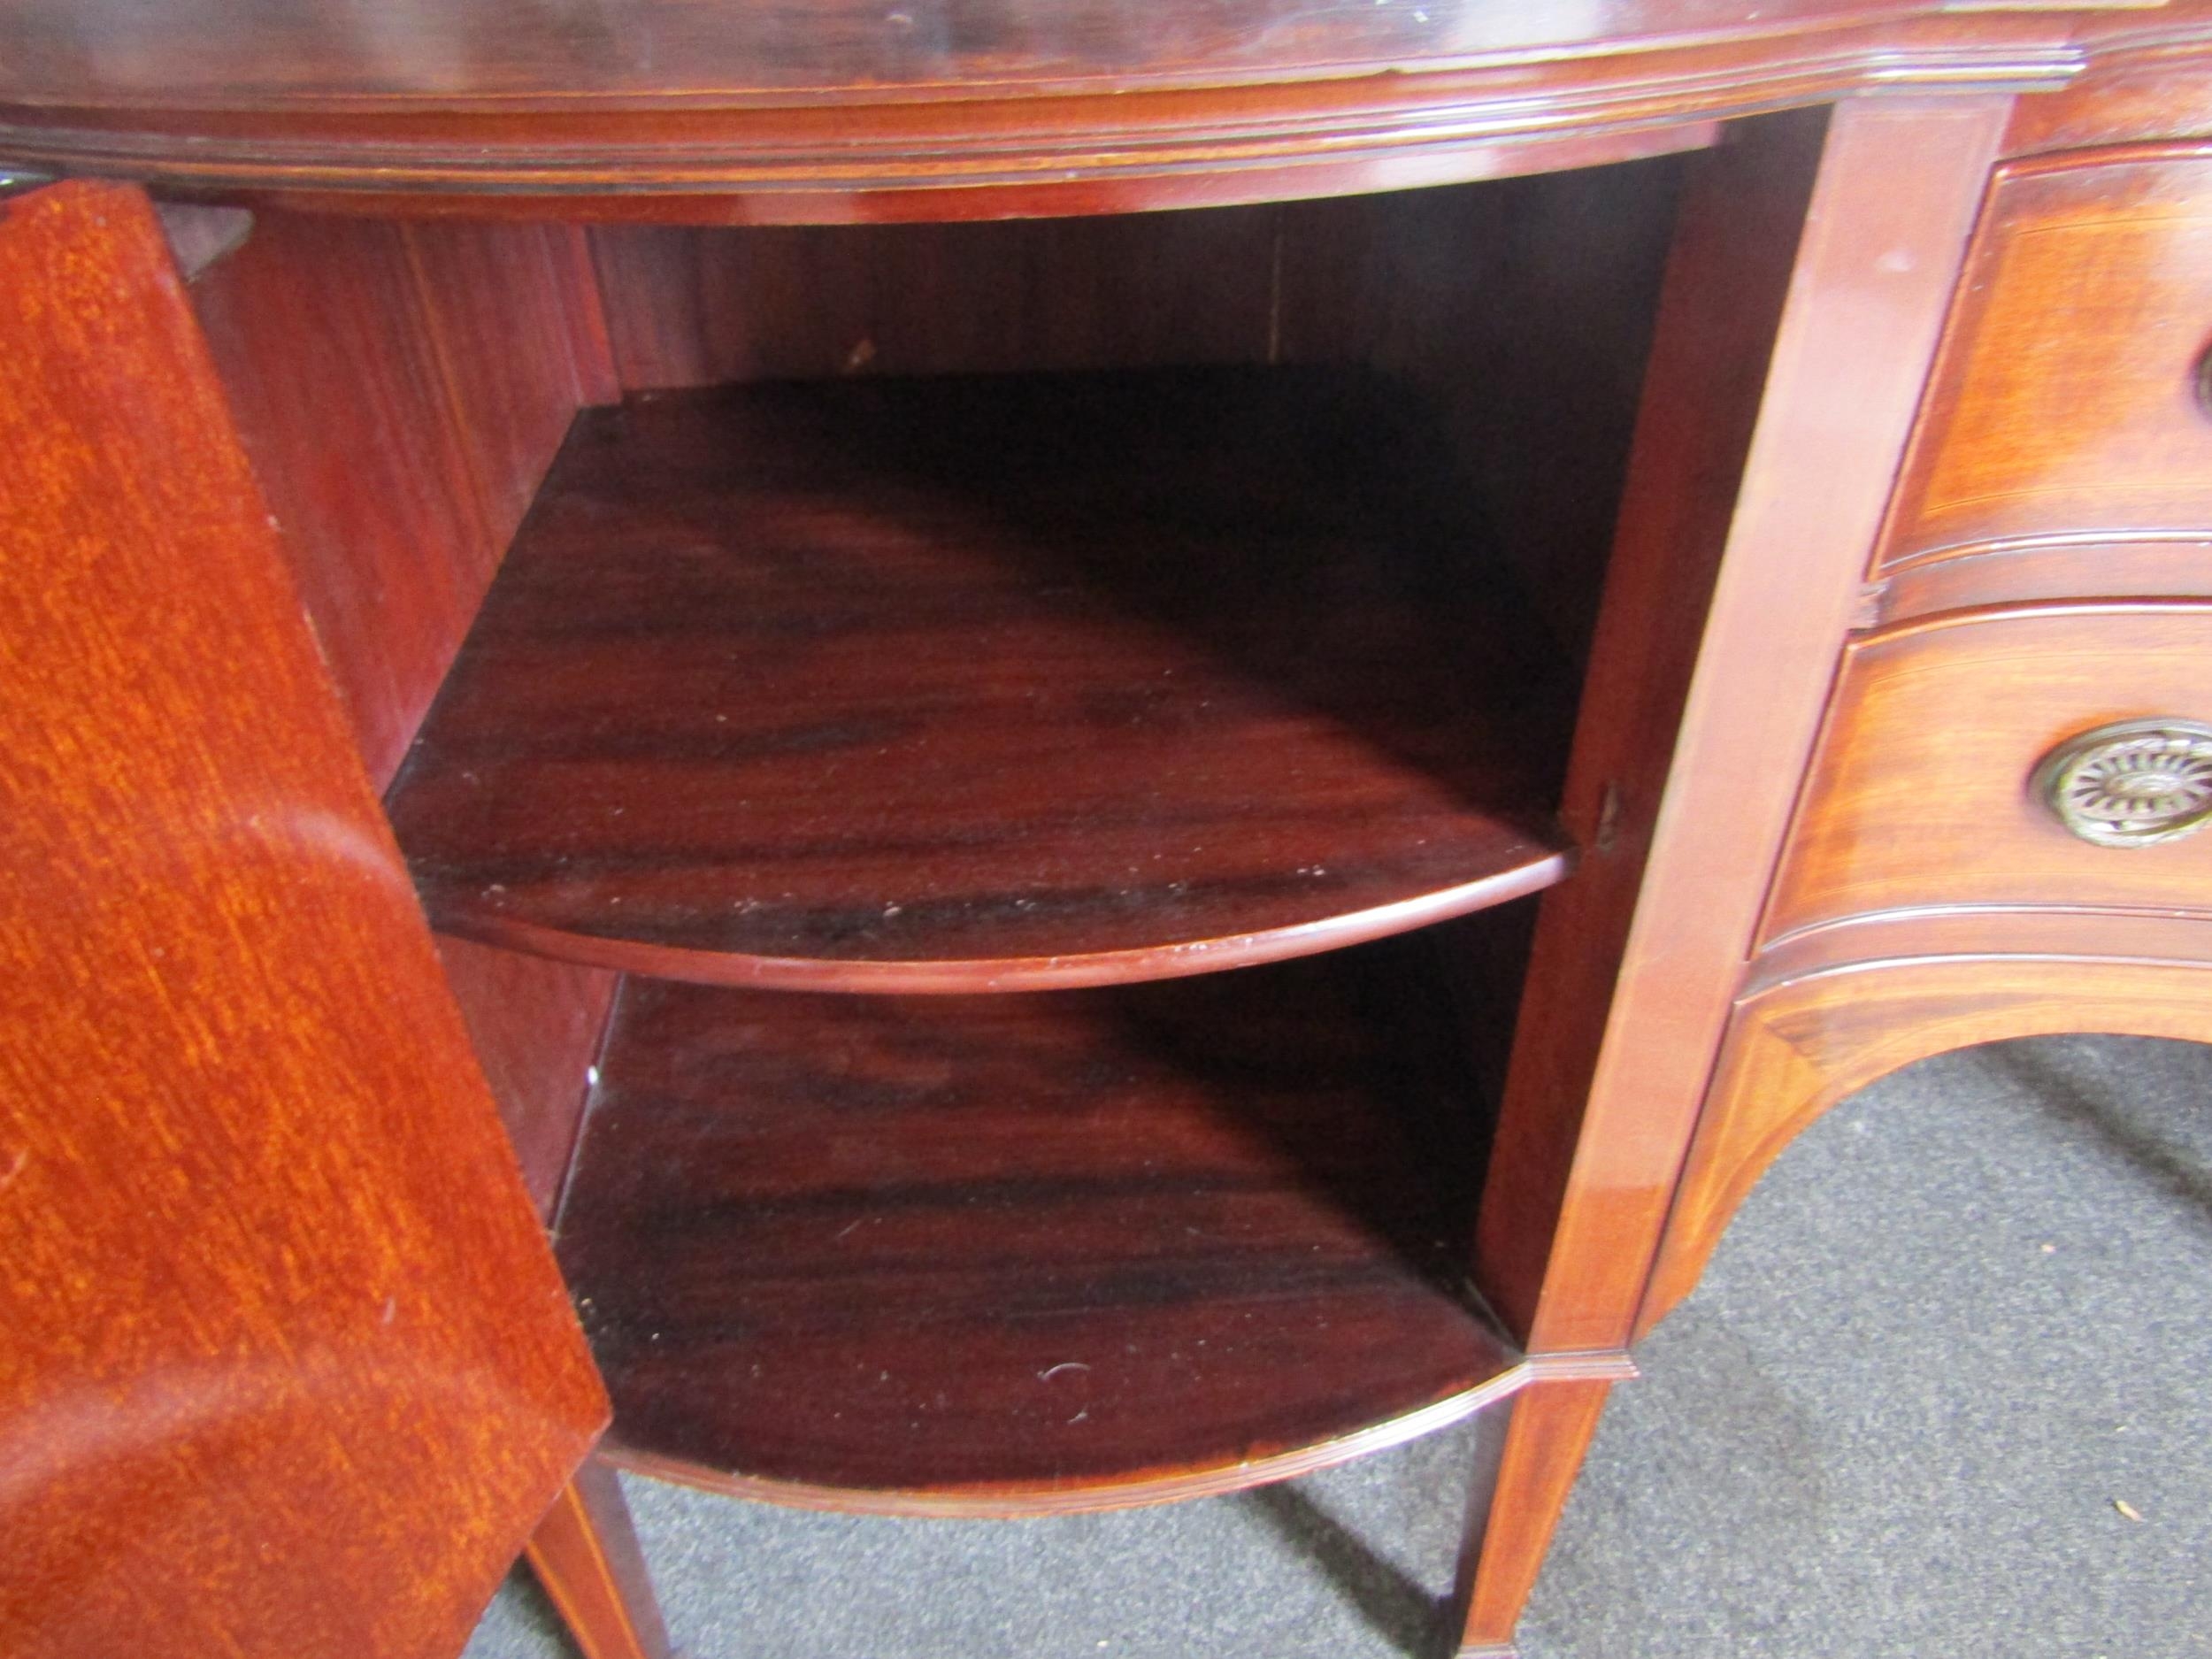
[677, 97]
[266, 53]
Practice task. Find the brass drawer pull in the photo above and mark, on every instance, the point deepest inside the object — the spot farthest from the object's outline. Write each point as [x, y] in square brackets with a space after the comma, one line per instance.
[2135, 784]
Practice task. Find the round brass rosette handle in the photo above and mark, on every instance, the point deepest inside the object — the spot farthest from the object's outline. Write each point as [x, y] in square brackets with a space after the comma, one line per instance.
[2135, 784]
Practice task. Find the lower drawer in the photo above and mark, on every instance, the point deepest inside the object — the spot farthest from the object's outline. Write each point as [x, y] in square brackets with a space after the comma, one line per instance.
[1966, 761]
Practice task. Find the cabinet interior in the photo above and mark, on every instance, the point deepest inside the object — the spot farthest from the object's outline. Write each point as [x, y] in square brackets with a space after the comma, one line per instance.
[963, 1236]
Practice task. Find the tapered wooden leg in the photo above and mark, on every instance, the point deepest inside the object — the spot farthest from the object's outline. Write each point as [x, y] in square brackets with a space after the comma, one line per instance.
[585, 1554]
[1549, 1433]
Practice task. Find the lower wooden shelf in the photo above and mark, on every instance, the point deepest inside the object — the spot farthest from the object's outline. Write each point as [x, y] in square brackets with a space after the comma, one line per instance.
[1018, 1253]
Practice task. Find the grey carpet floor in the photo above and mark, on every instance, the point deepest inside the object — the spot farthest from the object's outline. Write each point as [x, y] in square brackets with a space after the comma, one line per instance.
[1966, 1317]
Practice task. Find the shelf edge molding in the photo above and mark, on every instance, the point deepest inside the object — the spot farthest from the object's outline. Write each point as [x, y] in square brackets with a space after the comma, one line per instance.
[1016, 1502]
[965, 977]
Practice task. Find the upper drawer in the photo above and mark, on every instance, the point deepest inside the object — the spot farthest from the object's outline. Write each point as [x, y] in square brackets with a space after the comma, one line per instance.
[1930, 787]
[2067, 395]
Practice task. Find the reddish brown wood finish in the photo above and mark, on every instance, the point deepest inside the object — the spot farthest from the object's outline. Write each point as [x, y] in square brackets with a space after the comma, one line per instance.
[1797, 1048]
[954, 685]
[1522, 308]
[536, 1026]
[199, 54]
[851, 111]
[1546, 1439]
[287, 1367]
[1022, 1253]
[585, 1555]
[1564, 1247]
[2122, 935]
[401, 389]
[2061, 567]
[2096, 426]
[1726, 281]
[698, 201]
[1921, 797]
[2147, 79]
[691, 307]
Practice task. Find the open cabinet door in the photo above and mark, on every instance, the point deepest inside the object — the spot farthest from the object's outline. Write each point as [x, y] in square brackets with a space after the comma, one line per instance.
[286, 1370]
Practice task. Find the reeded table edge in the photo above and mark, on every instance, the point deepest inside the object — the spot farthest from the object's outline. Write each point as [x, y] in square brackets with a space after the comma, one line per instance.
[1044, 134]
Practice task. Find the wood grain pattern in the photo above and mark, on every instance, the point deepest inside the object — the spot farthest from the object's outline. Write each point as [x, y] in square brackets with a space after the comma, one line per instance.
[846, 111]
[401, 390]
[271, 54]
[536, 1026]
[2094, 427]
[585, 1555]
[287, 1368]
[1546, 1439]
[1006, 1254]
[691, 307]
[960, 684]
[1522, 308]
[2147, 80]
[1891, 209]
[512, 313]
[1797, 1048]
[1742, 211]
[1919, 796]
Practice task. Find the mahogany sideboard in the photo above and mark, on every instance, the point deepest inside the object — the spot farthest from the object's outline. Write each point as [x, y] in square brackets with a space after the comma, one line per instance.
[983, 759]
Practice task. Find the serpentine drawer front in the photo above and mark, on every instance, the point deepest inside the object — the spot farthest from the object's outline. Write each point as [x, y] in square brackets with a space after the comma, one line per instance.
[2102, 426]
[2053, 755]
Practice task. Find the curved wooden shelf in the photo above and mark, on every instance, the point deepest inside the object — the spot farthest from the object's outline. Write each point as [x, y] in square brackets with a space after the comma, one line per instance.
[1018, 1253]
[989, 683]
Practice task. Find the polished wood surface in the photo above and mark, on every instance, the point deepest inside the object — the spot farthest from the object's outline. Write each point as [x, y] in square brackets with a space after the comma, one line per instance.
[536, 1026]
[287, 1368]
[1742, 212]
[402, 384]
[2149, 77]
[1522, 308]
[1891, 206]
[962, 684]
[270, 55]
[1900, 935]
[1797, 1048]
[1547, 1436]
[1030, 1252]
[1921, 797]
[585, 1557]
[687, 306]
[401, 389]
[2098, 426]
[844, 111]
[2063, 567]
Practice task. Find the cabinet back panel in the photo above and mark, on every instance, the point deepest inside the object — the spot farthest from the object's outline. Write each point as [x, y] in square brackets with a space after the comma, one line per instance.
[1524, 305]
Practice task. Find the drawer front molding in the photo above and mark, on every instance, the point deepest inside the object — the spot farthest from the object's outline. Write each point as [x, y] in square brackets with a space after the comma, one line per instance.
[1960, 760]
[2099, 427]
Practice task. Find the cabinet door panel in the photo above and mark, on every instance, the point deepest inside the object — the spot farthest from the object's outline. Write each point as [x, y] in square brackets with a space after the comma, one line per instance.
[285, 1365]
